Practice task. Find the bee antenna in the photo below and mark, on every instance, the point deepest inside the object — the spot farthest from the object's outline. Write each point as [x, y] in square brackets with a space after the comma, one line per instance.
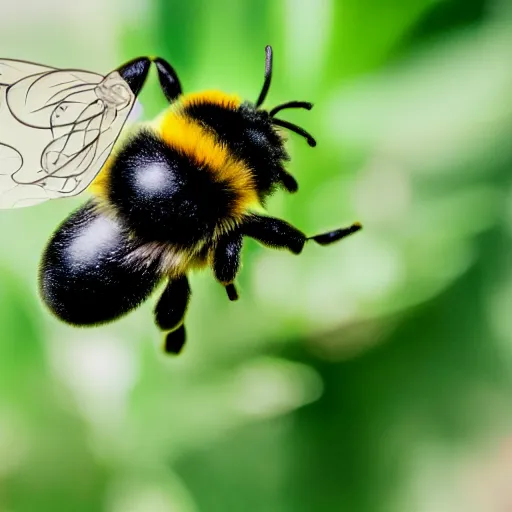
[297, 129]
[268, 76]
[291, 104]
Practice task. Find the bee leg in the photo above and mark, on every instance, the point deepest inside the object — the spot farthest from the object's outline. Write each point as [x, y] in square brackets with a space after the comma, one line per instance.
[279, 234]
[175, 340]
[168, 78]
[275, 233]
[135, 72]
[232, 292]
[226, 261]
[333, 236]
[172, 305]
[288, 182]
[170, 313]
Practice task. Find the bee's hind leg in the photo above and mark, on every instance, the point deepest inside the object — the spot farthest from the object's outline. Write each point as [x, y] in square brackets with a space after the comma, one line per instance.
[175, 340]
[170, 313]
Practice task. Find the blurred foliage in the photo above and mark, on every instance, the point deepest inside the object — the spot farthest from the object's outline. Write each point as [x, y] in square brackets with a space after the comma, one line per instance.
[371, 376]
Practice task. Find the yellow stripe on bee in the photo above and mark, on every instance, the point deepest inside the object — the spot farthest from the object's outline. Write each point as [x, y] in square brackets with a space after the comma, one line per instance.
[221, 99]
[99, 185]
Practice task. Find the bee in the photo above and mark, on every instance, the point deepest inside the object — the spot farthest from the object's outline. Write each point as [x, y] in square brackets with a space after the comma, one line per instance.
[174, 195]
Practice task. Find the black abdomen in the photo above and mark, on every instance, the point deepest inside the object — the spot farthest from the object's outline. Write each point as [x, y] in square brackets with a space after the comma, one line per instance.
[90, 272]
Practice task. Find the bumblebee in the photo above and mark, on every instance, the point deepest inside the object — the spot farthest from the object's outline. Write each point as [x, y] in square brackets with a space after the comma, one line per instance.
[175, 195]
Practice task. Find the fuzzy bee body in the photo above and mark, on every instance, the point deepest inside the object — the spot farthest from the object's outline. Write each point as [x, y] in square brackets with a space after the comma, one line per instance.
[165, 200]
[178, 194]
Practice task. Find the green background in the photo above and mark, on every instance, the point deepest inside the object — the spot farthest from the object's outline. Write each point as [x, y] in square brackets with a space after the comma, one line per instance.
[370, 376]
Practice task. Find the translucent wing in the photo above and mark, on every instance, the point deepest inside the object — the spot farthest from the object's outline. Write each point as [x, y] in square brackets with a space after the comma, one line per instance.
[57, 128]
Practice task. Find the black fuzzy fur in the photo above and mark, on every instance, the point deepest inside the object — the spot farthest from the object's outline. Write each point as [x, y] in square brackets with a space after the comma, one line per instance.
[98, 280]
[250, 136]
[182, 208]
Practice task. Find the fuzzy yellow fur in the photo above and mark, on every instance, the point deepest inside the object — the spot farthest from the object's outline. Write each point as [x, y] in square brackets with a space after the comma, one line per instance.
[228, 101]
